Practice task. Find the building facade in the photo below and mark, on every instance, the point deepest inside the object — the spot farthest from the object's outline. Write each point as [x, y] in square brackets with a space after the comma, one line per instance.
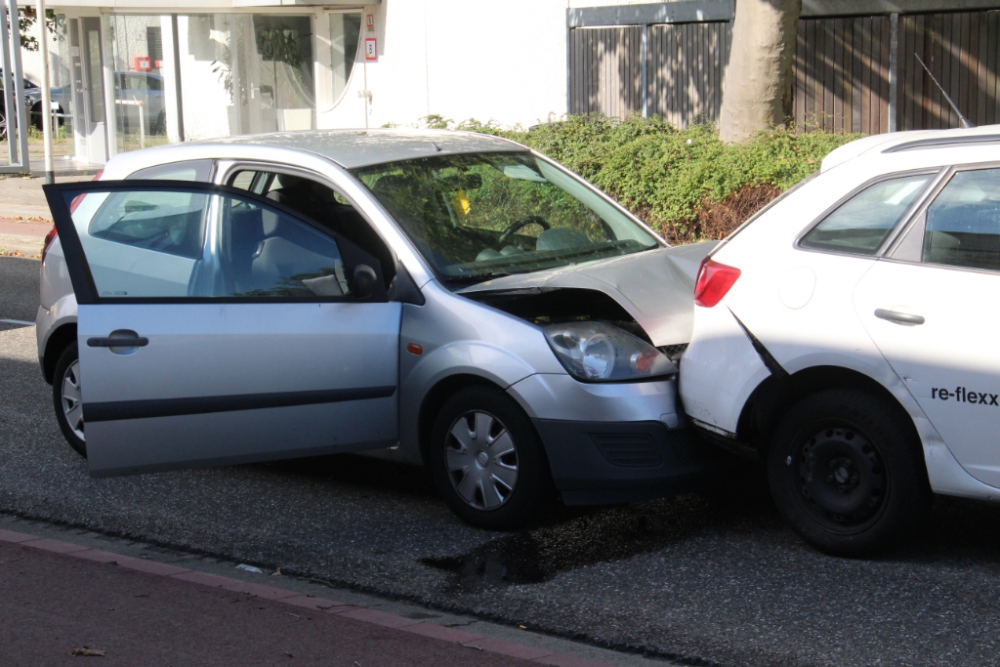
[135, 73]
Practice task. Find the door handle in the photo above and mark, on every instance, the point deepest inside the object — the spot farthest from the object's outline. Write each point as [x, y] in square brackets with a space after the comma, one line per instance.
[898, 317]
[121, 340]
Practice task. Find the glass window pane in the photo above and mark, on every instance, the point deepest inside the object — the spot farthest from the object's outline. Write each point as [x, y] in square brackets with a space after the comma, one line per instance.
[345, 33]
[266, 253]
[243, 180]
[141, 111]
[150, 243]
[188, 170]
[141, 243]
[963, 223]
[860, 225]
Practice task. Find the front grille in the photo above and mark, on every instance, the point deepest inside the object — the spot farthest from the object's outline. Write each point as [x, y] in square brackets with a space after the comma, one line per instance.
[628, 450]
[673, 352]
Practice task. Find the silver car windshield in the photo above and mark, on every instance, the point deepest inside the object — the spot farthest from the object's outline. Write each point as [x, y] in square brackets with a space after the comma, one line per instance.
[483, 215]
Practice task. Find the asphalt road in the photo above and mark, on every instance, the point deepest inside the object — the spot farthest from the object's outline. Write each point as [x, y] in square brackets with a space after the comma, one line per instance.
[710, 578]
[18, 288]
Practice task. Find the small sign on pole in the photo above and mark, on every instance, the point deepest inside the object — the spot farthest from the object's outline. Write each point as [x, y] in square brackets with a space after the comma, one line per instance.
[371, 49]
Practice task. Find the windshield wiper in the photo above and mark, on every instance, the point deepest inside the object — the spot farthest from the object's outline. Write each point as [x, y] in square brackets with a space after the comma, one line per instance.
[475, 277]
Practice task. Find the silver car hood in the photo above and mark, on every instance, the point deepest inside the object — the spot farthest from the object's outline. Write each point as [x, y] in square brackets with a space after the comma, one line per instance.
[656, 287]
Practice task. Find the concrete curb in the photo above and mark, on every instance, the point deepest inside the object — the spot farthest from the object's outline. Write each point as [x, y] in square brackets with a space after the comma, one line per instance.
[363, 614]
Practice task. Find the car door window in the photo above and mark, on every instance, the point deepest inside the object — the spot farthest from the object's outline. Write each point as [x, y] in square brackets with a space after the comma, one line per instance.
[963, 223]
[861, 224]
[187, 170]
[267, 253]
[150, 243]
[322, 204]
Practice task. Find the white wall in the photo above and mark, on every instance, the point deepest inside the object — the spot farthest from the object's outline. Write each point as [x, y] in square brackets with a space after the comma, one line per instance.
[501, 60]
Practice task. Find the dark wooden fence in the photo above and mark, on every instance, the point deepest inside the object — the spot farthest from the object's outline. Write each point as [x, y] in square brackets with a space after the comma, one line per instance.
[686, 63]
[851, 74]
[842, 74]
[606, 70]
[960, 48]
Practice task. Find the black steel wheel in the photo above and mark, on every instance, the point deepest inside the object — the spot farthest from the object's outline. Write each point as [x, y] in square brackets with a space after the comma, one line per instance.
[487, 460]
[846, 470]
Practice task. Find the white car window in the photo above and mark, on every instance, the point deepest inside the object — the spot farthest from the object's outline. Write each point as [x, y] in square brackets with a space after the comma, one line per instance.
[150, 244]
[861, 224]
[963, 223]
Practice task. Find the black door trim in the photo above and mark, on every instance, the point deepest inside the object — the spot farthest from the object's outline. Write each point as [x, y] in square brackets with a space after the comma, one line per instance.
[176, 407]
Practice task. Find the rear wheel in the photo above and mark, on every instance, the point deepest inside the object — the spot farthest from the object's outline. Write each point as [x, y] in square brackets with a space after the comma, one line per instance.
[847, 472]
[488, 461]
[67, 399]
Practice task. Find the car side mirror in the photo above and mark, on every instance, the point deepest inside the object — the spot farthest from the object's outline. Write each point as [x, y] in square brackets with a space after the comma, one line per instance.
[364, 282]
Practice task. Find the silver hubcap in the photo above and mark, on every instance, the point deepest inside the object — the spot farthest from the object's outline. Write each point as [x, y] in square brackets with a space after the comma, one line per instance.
[481, 459]
[71, 403]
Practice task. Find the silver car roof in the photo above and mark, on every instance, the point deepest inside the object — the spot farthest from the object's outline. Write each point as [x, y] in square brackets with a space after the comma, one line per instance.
[359, 148]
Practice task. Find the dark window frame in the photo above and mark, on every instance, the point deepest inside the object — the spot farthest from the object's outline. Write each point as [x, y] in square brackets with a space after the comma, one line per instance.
[85, 288]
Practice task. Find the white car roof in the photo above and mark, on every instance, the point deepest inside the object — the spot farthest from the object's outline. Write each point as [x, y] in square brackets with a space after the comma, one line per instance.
[920, 149]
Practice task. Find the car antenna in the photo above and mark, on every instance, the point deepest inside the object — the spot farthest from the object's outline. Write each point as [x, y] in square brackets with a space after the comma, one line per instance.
[961, 119]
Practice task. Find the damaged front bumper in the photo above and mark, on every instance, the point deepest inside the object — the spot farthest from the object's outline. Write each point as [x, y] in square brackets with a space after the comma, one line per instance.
[614, 442]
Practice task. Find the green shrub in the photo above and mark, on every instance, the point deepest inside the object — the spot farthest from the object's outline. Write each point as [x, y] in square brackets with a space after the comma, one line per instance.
[685, 183]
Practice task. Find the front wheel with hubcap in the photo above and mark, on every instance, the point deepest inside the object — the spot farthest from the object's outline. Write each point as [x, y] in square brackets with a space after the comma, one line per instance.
[847, 471]
[67, 399]
[487, 460]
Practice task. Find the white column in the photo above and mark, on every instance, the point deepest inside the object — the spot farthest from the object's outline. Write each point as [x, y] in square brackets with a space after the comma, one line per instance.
[110, 108]
[46, 92]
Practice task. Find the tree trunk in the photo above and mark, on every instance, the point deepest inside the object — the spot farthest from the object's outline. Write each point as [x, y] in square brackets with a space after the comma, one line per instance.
[758, 88]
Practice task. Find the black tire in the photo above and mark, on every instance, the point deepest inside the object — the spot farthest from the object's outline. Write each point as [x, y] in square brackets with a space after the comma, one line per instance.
[161, 124]
[847, 471]
[67, 370]
[514, 507]
[3, 126]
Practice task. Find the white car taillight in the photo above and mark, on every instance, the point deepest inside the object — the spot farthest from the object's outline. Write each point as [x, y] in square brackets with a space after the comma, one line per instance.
[714, 281]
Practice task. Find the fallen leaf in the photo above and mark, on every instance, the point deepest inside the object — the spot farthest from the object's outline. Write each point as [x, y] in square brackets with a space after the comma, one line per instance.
[97, 653]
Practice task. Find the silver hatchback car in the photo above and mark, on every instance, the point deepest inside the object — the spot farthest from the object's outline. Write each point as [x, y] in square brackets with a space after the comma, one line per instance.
[448, 299]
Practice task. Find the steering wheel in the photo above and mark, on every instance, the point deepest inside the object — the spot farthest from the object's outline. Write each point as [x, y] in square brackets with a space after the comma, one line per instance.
[519, 224]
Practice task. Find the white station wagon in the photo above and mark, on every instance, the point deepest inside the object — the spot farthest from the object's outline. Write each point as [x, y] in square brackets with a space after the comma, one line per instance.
[853, 327]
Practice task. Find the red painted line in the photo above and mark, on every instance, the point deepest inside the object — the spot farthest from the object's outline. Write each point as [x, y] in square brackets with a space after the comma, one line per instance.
[563, 660]
[16, 538]
[376, 617]
[504, 647]
[309, 602]
[435, 631]
[24, 228]
[203, 578]
[96, 556]
[149, 566]
[55, 546]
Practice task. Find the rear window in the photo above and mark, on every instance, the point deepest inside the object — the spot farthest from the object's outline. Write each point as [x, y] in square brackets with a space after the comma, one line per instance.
[861, 224]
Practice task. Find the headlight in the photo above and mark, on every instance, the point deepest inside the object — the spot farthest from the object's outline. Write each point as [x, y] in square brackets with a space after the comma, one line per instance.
[597, 352]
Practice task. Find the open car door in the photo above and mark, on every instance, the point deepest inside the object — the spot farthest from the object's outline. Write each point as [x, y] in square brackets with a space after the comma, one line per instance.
[217, 327]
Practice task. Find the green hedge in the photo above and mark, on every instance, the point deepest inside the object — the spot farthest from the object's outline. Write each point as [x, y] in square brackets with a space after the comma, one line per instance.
[685, 183]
